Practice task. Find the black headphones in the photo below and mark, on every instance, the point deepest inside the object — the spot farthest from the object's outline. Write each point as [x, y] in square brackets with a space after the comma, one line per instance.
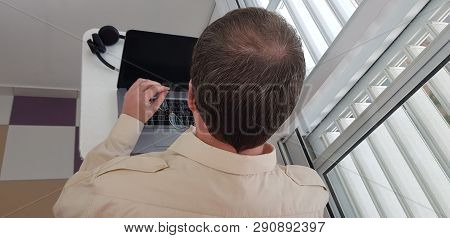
[106, 36]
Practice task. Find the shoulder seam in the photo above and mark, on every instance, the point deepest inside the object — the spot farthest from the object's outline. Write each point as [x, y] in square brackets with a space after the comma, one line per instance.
[315, 176]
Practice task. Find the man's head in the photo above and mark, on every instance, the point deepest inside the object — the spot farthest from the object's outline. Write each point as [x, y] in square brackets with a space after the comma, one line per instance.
[247, 72]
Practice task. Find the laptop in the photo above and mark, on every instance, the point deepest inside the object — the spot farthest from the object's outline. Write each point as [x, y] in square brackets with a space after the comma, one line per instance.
[166, 59]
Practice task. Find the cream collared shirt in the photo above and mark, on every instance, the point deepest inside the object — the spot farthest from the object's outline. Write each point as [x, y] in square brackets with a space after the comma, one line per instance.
[189, 179]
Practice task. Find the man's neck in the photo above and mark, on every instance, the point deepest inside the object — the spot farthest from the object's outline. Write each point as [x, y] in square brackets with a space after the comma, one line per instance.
[210, 140]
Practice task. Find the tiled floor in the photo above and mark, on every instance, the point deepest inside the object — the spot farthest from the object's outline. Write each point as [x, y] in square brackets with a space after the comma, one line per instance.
[38, 152]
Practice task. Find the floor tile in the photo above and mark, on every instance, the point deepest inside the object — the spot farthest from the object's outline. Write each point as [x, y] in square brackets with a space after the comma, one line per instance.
[6, 102]
[29, 198]
[3, 134]
[43, 111]
[38, 152]
[41, 209]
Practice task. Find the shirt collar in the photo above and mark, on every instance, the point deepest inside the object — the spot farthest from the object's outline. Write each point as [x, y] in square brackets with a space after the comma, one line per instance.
[193, 148]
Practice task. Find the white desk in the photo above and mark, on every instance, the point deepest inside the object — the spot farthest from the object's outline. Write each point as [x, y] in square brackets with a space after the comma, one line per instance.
[98, 108]
[98, 100]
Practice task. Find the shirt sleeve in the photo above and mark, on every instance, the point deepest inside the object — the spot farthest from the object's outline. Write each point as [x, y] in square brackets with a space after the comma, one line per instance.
[120, 142]
[77, 194]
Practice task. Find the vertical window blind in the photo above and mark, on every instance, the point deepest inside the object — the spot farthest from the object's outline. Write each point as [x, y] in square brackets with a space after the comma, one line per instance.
[401, 169]
[318, 22]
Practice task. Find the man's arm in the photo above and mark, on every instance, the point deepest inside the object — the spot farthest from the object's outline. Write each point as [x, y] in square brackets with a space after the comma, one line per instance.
[138, 107]
[120, 142]
[77, 194]
[140, 103]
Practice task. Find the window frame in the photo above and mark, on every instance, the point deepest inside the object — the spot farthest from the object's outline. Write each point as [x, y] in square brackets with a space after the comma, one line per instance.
[359, 44]
[433, 59]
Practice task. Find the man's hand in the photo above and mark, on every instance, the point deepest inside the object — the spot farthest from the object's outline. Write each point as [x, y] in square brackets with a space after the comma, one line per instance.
[143, 99]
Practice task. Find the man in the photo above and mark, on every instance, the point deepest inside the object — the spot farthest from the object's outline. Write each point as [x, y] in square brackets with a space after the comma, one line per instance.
[246, 75]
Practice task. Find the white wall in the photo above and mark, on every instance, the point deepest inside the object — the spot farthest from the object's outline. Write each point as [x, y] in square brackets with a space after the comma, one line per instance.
[34, 54]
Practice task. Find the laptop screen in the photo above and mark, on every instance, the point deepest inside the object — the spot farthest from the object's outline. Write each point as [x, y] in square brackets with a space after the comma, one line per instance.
[158, 57]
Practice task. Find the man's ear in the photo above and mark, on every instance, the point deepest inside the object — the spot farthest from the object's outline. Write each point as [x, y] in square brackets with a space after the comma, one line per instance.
[191, 98]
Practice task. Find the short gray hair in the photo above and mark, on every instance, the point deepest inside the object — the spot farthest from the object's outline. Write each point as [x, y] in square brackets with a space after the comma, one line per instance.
[247, 71]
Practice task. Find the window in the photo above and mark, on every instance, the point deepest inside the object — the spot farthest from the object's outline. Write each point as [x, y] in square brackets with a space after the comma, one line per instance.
[384, 149]
[401, 169]
[262, 3]
[318, 22]
[282, 10]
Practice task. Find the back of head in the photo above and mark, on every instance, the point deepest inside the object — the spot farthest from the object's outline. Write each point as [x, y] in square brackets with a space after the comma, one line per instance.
[247, 72]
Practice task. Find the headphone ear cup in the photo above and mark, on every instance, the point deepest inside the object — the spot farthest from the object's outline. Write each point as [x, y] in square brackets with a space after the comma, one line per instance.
[109, 35]
[98, 43]
[92, 46]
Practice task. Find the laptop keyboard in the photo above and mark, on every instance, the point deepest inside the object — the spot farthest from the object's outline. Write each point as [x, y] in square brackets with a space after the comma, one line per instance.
[181, 114]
